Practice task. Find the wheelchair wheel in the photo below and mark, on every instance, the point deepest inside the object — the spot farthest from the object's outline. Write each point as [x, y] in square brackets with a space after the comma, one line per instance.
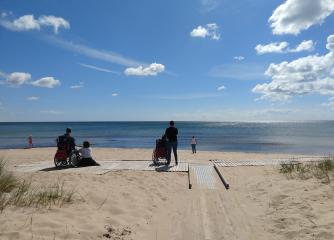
[60, 163]
[155, 159]
[74, 158]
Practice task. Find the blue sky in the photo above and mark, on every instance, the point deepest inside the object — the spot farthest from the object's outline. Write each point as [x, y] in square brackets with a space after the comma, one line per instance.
[161, 60]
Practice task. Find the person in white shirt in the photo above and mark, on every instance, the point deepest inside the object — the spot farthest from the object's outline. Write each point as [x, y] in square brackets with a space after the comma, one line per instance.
[86, 156]
[193, 144]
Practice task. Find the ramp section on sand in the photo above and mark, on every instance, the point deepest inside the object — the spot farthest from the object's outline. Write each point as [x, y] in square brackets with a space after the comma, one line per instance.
[236, 163]
[204, 176]
[106, 166]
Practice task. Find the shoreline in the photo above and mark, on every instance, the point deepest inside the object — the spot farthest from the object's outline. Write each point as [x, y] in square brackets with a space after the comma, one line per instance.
[181, 150]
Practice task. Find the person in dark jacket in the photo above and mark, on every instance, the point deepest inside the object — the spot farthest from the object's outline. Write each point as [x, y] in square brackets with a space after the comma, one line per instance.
[171, 134]
[68, 140]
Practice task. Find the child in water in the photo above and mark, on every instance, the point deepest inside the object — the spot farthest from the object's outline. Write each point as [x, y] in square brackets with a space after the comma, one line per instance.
[86, 154]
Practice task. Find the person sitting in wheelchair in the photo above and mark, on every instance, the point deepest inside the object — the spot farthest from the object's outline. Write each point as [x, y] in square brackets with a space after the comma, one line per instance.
[65, 149]
[86, 156]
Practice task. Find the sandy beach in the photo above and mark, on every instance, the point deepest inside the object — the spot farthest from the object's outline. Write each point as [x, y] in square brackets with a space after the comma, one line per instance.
[260, 204]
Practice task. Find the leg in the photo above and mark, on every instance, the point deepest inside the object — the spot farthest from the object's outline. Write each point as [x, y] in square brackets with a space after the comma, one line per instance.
[169, 151]
[193, 148]
[175, 152]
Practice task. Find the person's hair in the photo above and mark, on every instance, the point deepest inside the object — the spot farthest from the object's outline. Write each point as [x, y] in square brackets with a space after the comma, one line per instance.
[86, 144]
[171, 123]
[68, 130]
[193, 136]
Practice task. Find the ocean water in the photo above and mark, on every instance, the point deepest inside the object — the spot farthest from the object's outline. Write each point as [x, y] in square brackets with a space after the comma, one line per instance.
[292, 137]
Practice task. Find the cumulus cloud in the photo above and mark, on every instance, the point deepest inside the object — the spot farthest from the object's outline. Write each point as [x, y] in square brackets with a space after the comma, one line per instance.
[17, 78]
[29, 22]
[239, 58]
[274, 47]
[294, 16]
[283, 47]
[221, 88]
[151, 70]
[303, 46]
[330, 43]
[210, 30]
[308, 75]
[114, 94]
[32, 98]
[46, 82]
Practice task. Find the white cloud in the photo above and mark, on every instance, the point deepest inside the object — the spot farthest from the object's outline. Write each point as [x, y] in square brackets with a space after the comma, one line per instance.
[29, 22]
[32, 98]
[55, 22]
[17, 78]
[239, 71]
[221, 88]
[209, 5]
[307, 75]
[294, 16]
[114, 94]
[330, 43]
[97, 68]
[152, 70]
[46, 82]
[303, 46]
[199, 32]
[239, 58]
[210, 30]
[80, 85]
[274, 47]
[104, 55]
[283, 47]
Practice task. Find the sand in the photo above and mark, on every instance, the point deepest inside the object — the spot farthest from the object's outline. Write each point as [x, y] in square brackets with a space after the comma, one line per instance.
[261, 203]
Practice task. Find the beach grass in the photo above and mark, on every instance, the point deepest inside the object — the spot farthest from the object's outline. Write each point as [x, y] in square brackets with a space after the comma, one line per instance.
[21, 193]
[323, 169]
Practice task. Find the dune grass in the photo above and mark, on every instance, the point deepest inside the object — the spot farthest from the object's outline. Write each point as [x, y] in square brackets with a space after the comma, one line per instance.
[21, 193]
[323, 170]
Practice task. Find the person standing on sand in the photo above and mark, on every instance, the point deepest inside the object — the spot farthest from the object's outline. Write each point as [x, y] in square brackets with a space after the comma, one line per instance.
[30, 145]
[193, 144]
[171, 134]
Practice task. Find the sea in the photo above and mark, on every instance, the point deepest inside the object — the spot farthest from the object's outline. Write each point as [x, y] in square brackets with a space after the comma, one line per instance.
[310, 137]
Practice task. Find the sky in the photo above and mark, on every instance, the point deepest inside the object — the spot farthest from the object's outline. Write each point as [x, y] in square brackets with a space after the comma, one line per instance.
[190, 60]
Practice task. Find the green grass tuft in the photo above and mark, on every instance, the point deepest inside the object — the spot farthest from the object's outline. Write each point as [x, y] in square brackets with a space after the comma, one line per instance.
[322, 170]
[21, 193]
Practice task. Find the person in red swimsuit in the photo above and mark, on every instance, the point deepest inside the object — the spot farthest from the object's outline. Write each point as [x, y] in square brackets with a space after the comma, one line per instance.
[30, 145]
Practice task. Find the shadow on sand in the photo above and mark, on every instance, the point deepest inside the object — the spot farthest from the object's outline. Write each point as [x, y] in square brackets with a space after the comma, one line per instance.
[50, 169]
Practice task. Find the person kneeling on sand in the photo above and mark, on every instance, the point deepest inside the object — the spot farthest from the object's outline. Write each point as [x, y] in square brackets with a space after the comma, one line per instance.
[86, 154]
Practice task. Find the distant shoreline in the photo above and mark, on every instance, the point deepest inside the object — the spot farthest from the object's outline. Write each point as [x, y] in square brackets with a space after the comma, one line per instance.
[181, 150]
